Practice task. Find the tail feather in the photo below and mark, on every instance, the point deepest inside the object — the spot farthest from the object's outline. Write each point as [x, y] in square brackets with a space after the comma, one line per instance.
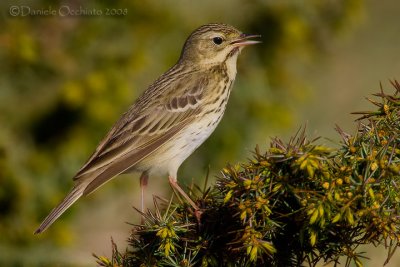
[70, 199]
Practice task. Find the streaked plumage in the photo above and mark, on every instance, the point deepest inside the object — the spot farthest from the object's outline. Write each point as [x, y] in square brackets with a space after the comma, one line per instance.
[174, 116]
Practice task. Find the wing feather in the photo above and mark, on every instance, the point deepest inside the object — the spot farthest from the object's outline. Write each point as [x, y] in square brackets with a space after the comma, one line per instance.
[130, 159]
[142, 130]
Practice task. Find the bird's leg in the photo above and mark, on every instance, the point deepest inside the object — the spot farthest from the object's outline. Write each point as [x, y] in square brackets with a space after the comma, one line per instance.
[144, 178]
[174, 183]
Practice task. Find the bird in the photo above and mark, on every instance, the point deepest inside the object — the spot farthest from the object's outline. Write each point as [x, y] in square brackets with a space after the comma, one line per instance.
[169, 120]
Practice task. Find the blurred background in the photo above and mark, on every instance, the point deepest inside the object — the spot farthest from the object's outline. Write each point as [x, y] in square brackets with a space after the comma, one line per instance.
[66, 78]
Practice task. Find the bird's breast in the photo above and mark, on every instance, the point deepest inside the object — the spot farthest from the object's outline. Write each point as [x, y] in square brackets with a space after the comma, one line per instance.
[179, 148]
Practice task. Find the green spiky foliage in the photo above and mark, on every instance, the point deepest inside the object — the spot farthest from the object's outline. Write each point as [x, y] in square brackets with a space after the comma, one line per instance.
[296, 204]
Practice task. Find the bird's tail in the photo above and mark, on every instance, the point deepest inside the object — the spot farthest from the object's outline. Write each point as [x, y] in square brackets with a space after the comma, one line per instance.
[89, 181]
[70, 199]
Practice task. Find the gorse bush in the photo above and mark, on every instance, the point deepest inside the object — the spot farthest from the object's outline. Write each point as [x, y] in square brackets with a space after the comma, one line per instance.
[296, 204]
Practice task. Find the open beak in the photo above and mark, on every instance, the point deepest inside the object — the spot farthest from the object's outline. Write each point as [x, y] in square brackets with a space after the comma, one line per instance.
[246, 39]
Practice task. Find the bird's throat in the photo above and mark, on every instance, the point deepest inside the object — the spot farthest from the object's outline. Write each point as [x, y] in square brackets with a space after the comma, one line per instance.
[230, 63]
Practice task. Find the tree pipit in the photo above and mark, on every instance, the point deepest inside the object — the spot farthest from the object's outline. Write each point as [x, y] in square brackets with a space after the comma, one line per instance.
[172, 118]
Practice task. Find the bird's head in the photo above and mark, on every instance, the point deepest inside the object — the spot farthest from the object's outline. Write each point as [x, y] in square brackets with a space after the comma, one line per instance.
[214, 44]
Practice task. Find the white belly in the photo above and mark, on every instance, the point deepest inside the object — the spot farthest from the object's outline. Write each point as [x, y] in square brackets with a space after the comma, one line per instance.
[181, 147]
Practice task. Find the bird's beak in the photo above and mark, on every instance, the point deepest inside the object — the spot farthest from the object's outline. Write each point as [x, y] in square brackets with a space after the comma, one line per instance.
[245, 39]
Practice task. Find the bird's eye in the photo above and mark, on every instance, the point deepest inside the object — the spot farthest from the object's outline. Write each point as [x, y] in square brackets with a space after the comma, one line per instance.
[218, 40]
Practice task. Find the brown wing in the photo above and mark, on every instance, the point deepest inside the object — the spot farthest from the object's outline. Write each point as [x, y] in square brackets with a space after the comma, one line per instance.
[126, 161]
[142, 130]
